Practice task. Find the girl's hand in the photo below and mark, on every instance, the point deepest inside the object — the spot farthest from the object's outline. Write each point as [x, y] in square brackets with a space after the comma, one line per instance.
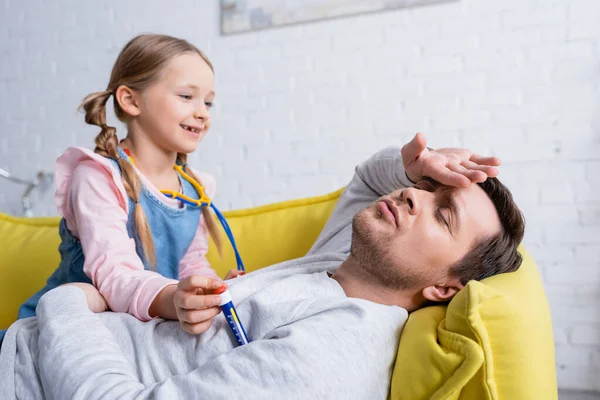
[234, 273]
[95, 300]
[195, 306]
[449, 166]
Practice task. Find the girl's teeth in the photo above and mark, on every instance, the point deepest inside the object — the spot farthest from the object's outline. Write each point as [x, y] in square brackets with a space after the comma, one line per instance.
[191, 129]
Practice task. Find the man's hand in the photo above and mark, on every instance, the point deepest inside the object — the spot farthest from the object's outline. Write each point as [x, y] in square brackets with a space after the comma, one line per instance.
[234, 273]
[94, 299]
[195, 306]
[448, 166]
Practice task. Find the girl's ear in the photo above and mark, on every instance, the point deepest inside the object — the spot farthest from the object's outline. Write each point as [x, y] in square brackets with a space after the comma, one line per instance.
[128, 100]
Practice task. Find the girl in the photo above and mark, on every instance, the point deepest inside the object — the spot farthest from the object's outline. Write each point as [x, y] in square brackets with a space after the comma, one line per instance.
[119, 232]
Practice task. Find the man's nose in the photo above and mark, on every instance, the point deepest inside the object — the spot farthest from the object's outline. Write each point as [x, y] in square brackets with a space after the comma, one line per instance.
[414, 199]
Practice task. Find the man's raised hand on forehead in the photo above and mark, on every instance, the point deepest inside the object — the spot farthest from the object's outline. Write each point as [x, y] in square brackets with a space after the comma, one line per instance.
[448, 166]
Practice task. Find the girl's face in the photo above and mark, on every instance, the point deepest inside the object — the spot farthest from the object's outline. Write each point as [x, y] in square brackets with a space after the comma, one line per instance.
[174, 113]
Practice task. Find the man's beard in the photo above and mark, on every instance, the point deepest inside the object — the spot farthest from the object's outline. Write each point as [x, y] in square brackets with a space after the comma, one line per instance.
[372, 254]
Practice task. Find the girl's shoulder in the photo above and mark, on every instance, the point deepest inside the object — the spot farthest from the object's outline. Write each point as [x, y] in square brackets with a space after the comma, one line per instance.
[206, 180]
[77, 164]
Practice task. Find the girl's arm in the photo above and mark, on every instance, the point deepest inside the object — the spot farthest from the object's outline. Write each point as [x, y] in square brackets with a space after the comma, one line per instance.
[97, 216]
[194, 261]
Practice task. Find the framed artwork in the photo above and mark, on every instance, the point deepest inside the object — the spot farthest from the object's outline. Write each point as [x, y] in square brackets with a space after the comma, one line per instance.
[248, 15]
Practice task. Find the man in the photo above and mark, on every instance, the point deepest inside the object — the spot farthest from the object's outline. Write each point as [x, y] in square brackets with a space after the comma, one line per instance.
[323, 326]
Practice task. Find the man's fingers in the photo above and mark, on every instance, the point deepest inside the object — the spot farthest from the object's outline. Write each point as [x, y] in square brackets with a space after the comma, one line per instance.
[197, 316]
[447, 177]
[191, 283]
[413, 148]
[472, 175]
[481, 160]
[196, 329]
[486, 169]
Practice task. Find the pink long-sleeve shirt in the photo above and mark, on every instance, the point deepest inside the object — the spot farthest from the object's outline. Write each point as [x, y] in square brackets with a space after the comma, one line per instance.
[91, 197]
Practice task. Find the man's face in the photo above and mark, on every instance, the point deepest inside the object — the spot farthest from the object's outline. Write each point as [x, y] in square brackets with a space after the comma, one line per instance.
[410, 238]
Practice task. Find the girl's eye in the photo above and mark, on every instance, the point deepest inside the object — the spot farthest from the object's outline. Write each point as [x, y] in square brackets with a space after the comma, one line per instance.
[186, 96]
[208, 104]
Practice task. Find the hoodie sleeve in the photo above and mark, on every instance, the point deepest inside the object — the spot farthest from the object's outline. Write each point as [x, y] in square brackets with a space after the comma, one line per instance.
[381, 174]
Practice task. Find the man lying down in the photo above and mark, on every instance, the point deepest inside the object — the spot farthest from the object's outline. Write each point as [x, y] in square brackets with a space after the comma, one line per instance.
[326, 325]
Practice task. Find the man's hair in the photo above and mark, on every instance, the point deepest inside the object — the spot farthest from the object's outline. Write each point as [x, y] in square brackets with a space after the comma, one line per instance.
[496, 254]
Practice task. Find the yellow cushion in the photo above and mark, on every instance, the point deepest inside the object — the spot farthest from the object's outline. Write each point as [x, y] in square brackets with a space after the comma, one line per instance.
[494, 341]
[28, 255]
[270, 234]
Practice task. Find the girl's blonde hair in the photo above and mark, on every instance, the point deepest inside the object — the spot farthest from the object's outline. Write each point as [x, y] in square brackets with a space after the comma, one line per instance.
[138, 66]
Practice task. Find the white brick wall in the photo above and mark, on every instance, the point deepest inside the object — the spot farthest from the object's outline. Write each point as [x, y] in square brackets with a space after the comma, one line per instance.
[515, 78]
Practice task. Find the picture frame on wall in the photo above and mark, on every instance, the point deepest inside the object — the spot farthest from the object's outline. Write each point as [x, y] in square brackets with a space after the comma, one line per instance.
[248, 15]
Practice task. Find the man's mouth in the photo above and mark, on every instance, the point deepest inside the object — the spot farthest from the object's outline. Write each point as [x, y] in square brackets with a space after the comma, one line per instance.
[389, 211]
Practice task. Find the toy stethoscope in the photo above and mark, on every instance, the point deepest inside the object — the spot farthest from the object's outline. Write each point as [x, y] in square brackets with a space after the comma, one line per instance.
[204, 201]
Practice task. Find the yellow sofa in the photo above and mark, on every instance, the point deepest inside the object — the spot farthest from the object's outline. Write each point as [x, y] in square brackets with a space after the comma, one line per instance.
[493, 341]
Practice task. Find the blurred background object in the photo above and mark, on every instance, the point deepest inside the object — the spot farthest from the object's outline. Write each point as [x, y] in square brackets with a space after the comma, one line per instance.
[38, 185]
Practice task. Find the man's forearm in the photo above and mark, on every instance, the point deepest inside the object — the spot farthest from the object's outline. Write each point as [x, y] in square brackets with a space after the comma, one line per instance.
[383, 172]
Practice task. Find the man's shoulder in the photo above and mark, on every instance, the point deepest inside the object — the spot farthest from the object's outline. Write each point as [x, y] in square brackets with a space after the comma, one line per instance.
[351, 307]
[310, 263]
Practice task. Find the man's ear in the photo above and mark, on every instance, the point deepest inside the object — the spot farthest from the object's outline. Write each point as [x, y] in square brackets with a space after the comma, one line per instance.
[128, 100]
[442, 292]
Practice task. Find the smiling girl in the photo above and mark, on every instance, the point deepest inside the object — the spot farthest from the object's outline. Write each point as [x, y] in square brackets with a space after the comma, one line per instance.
[119, 230]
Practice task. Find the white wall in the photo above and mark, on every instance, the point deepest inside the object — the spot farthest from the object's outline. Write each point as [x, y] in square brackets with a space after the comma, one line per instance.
[299, 106]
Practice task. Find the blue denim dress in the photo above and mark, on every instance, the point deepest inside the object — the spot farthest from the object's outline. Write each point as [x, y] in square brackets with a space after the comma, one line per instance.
[173, 230]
